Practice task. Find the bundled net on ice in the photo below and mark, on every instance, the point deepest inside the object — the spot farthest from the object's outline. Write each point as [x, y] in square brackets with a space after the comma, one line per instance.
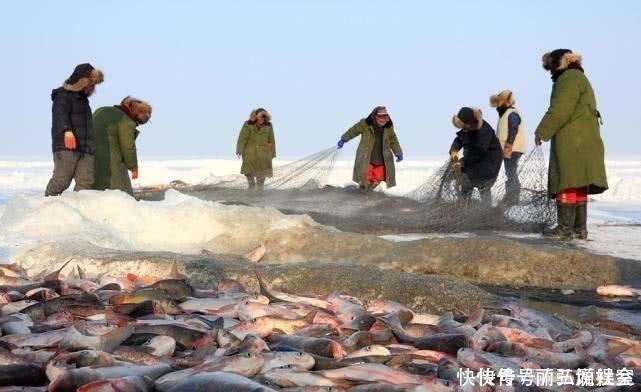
[527, 209]
[309, 172]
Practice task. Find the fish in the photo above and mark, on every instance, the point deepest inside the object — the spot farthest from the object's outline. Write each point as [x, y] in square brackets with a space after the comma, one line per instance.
[189, 338]
[245, 364]
[618, 291]
[177, 289]
[73, 340]
[297, 359]
[445, 342]
[370, 350]
[319, 346]
[35, 340]
[547, 359]
[122, 384]
[224, 382]
[72, 379]
[257, 253]
[26, 374]
[274, 296]
[372, 372]
[285, 377]
[557, 328]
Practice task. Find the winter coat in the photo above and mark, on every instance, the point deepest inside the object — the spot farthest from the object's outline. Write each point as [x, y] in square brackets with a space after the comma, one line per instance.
[116, 154]
[71, 111]
[482, 154]
[571, 123]
[365, 129]
[258, 148]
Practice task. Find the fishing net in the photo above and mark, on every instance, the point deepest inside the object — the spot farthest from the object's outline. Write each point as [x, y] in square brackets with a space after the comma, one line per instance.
[509, 207]
[310, 172]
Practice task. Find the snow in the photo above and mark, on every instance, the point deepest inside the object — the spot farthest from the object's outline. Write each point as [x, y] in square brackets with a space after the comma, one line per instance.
[184, 224]
[114, 220]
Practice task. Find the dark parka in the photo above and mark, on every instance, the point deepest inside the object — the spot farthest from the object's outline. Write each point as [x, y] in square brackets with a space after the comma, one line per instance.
[571, 123]
[71, 111]
[257, 146]
[482, 152]
[365, 128]
[116, 154]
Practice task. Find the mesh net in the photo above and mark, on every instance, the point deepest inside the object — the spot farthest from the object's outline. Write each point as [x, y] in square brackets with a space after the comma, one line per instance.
[310, 172]
[436, 206]
[511, 205]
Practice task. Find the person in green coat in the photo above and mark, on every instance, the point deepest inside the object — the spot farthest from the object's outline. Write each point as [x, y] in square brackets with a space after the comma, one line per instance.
[374, 162]
[577, 162]
[115, 134]
[257, 147]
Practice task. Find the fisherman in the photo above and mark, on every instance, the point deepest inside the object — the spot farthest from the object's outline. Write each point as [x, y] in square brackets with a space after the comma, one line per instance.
[511, 133]
[257, 147]
[482, 154]
[72, 131]
[374, 162]
[577, 163]
[115, 134]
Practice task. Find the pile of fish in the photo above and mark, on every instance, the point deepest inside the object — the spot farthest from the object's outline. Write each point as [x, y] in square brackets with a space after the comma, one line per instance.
[145, 333]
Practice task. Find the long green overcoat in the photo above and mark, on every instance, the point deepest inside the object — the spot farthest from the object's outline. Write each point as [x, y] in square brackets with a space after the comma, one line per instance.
[365, 129]
[258, 148]
[115, 134]
[572, 124]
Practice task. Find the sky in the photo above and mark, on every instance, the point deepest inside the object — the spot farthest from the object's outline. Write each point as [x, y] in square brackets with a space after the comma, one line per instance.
[317, 66]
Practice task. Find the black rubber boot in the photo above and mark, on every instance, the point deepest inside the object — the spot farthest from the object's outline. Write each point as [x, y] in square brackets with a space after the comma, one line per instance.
[566, 216]
[581, 221]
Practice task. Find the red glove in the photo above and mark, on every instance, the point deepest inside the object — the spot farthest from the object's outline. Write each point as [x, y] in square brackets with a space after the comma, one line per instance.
[70, 140]
[134, 174]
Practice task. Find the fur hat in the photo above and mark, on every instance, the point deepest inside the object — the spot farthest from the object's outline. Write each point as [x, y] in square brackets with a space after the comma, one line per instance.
[560, 59]
[139, 111]
[83, 76]
[260, 112]
[468, 119]
[503, 99]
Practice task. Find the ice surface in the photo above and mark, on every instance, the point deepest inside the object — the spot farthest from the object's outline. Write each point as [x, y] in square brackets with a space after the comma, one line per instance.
[185, 224]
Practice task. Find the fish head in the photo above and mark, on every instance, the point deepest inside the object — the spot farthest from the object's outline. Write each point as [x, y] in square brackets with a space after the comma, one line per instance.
[297, 360]
[224, 338]
[248, 310]
[261, 299]
[472, 359]
[483, 338]
[247, 364]
[162, 345]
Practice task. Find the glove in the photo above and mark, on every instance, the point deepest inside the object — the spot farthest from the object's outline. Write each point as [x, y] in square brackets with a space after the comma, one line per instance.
[134, 174]
[70, 140]
[340, 143]
[399, 158]
[507, 151]
[454, 155]
[537, 141]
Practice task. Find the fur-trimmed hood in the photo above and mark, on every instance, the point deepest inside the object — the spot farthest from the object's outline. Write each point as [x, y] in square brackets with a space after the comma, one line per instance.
[503, 99]
[468, 119]
[139, 111]
[83, 76]
[370, 118]
[260, 112]
[560, 59]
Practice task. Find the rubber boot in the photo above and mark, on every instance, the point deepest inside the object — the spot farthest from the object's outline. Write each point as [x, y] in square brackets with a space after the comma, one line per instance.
[581, 221]
[251, 183]
[566, 216]
[260, 184]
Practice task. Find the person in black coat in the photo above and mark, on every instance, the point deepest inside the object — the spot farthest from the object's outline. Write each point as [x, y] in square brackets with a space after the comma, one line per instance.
[72, 140]
[482, 153]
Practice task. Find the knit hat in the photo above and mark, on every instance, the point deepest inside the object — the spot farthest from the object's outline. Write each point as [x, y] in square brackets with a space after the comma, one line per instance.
[83, 76]
[468, 118]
